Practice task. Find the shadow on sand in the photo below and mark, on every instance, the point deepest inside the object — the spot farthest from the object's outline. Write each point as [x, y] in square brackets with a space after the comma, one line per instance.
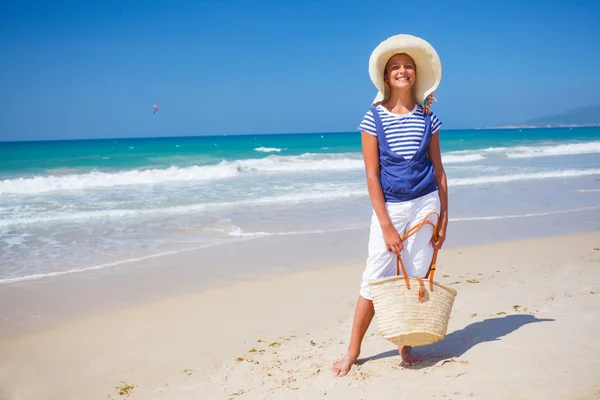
[459, 342]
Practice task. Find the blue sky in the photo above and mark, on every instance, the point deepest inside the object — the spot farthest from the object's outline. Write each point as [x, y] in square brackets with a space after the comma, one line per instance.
[94, 69]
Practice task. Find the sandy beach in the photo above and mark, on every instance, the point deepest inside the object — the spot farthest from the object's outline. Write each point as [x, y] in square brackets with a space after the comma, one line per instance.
[188, 191]
[525, 325]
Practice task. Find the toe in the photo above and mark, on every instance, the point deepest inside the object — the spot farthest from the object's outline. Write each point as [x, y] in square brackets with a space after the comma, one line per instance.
[342, 367]
[336, 369]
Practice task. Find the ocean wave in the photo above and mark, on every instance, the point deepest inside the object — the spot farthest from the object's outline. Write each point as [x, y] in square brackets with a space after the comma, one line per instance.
[479, 180]
[545, 150]
[309, 162]
[305, 163]
[226, 169]
[96, 179]
[268, 149]
[557, 150]
[458, 158]
[319, 193]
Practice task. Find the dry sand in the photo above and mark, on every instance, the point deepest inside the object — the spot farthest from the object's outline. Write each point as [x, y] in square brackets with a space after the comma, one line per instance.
[525, 325]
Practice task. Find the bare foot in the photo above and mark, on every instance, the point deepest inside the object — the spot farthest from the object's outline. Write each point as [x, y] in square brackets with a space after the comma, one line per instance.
[408, 357]
[342, 366]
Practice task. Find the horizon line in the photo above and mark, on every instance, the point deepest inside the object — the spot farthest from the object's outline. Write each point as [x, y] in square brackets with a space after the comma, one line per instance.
[286, 133]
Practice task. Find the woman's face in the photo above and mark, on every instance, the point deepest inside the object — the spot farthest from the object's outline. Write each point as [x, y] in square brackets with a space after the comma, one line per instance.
[400, 72]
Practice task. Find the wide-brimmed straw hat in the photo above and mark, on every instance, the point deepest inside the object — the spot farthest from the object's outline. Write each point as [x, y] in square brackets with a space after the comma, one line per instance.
[429, 67]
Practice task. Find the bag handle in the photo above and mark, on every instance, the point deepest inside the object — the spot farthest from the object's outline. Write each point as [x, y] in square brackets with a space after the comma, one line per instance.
[431, 270]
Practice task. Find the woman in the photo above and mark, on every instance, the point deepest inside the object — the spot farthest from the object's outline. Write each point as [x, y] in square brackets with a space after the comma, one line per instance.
[405, 176]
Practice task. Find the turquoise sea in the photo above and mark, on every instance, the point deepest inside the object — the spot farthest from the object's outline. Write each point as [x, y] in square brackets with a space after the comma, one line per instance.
[67, 206]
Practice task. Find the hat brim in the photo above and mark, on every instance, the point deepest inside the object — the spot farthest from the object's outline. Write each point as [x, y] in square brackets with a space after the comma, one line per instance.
[428, 65]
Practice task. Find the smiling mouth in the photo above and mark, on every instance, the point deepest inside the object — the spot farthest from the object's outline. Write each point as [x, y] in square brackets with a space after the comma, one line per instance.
[404, 79]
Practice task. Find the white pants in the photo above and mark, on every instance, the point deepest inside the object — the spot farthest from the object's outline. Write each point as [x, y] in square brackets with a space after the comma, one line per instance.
[418, 250]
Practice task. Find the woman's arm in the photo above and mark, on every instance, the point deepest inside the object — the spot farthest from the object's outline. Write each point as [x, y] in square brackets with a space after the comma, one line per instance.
[435, 155]
[370, 148]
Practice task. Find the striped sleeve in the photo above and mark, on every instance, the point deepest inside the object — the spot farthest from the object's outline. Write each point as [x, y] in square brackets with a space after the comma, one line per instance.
[368, 124]
[435, 123]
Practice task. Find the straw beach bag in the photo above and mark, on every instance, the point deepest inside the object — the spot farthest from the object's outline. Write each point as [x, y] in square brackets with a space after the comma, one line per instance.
[408, 312]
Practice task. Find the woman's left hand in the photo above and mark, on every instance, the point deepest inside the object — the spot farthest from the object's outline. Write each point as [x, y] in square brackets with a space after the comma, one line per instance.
[441, 236]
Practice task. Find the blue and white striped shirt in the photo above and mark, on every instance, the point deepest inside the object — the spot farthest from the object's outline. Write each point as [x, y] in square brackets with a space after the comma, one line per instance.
[403, 132]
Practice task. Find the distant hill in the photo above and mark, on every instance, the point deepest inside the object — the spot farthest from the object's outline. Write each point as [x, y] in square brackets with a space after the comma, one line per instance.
[582, 116]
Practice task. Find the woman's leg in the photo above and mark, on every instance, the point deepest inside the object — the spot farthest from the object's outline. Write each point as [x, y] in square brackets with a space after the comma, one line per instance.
[380, 264]
[418, 250]
[363, 315]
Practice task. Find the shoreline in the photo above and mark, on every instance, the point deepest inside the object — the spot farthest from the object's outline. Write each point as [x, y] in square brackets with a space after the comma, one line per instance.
[293, 323]
[32, 304]
[264, 236]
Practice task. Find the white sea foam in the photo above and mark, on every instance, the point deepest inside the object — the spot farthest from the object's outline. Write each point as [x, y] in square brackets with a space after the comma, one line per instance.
[302, 163]
[305, 163]
[92, 180]
[319, 193]
[557, 150]
[15, 240]
[101, 266]
[268, 149]
[224, 170]
[238, 232]
[497, 217]
[457, 158]
[523, 151]
[479, 180]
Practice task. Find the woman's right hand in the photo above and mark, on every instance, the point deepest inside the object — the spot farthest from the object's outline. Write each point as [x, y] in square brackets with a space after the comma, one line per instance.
[391, 237]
